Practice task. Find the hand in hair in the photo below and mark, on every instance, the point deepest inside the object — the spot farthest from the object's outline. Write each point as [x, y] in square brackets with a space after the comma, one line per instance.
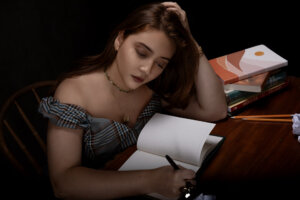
[173, 6]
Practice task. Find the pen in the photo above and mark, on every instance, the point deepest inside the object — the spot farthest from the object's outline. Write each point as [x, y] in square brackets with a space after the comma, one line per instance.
[172, 163]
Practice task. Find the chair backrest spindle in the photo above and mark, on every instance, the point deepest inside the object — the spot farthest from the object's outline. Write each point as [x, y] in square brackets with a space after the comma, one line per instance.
[36, 95]
[18, 139]
[23, 147]
[29, 124]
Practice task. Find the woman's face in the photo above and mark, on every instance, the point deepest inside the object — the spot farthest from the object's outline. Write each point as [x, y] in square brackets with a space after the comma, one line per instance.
[142, 57]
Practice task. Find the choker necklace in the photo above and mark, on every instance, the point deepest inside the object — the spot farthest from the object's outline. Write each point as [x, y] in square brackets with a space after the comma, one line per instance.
[115, 85]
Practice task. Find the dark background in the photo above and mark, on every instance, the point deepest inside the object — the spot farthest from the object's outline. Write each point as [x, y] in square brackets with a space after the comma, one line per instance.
[40, 39]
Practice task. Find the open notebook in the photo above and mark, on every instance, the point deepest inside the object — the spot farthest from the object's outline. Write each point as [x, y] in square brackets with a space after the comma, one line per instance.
[187, 141]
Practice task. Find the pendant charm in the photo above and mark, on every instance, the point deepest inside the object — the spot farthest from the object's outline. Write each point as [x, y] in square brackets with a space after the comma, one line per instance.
[126, 119]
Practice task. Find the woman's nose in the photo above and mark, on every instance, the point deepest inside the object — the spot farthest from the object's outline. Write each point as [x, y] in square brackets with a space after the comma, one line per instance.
[146, 67]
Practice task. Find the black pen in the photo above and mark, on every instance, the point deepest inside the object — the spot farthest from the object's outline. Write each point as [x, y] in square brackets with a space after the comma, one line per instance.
[172, 163]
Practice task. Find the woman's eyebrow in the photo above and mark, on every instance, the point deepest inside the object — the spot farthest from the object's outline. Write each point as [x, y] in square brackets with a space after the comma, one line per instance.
[149, 49]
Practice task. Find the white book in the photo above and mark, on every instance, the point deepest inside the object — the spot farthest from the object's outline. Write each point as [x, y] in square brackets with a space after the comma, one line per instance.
[248, 62]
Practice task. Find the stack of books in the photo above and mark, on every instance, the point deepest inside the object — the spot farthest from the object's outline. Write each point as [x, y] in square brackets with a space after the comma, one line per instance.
[249, 75]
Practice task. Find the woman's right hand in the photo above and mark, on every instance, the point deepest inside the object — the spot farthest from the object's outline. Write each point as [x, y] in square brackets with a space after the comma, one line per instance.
[174, 7]
[168, 181]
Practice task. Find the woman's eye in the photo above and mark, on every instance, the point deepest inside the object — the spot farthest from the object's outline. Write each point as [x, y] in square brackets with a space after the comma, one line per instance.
[141, 54]
[161, 65]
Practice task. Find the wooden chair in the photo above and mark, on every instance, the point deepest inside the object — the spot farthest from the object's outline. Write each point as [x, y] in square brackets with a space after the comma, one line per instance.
[23, 129]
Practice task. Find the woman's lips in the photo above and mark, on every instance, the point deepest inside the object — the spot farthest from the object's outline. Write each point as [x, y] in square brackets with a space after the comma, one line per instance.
[137, 79]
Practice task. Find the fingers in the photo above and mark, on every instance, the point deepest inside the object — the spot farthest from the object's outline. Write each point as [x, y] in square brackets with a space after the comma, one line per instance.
[187, 173]
[188, 183]
[174, 7]
[174, 180]
[170, 4]
[185, 179]
[187, 176]
[192, 181]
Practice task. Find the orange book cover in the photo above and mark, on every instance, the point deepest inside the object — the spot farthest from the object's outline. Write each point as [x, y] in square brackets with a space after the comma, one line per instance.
[246, 63]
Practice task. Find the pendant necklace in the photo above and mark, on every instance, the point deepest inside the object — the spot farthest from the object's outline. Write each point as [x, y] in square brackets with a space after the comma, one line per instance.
[126, 118]
[115, 85]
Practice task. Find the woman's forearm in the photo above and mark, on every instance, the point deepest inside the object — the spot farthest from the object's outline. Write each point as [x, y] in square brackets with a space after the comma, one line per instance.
[86, 183]
[210, 92]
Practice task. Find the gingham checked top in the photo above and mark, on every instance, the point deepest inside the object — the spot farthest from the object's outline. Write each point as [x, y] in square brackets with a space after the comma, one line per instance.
[103, 138]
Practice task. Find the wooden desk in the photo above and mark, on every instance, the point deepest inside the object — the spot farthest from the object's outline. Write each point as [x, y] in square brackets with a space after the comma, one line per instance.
[258, 159]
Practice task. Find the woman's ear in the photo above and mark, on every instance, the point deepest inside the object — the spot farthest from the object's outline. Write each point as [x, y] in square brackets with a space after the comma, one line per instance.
[119, 40]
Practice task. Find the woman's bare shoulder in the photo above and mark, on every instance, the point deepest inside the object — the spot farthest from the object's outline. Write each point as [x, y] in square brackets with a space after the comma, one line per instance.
[81, 90]
[70, 91]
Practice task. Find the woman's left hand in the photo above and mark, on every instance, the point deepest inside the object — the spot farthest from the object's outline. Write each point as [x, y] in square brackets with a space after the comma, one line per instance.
[173, 6]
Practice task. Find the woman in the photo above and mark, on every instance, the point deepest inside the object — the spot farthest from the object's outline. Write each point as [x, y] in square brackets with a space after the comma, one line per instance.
[150, 62]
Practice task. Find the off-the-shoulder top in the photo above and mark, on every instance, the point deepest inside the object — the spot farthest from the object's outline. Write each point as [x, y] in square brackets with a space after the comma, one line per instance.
[102, 138]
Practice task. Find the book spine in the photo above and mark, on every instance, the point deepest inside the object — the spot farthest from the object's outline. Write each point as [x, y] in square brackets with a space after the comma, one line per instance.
[275, 78]
[235, 95]
[254, 98]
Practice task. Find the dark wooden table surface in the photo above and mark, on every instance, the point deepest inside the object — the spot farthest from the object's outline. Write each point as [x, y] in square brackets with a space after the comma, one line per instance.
[258, 160]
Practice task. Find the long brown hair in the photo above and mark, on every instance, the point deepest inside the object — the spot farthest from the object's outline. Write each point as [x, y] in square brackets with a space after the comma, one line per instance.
[176, 83]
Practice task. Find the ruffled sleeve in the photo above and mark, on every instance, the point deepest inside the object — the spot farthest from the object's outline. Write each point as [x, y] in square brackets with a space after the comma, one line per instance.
[64, 115]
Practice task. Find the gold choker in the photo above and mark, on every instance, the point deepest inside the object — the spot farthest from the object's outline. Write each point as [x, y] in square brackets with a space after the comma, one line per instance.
[115, 85]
